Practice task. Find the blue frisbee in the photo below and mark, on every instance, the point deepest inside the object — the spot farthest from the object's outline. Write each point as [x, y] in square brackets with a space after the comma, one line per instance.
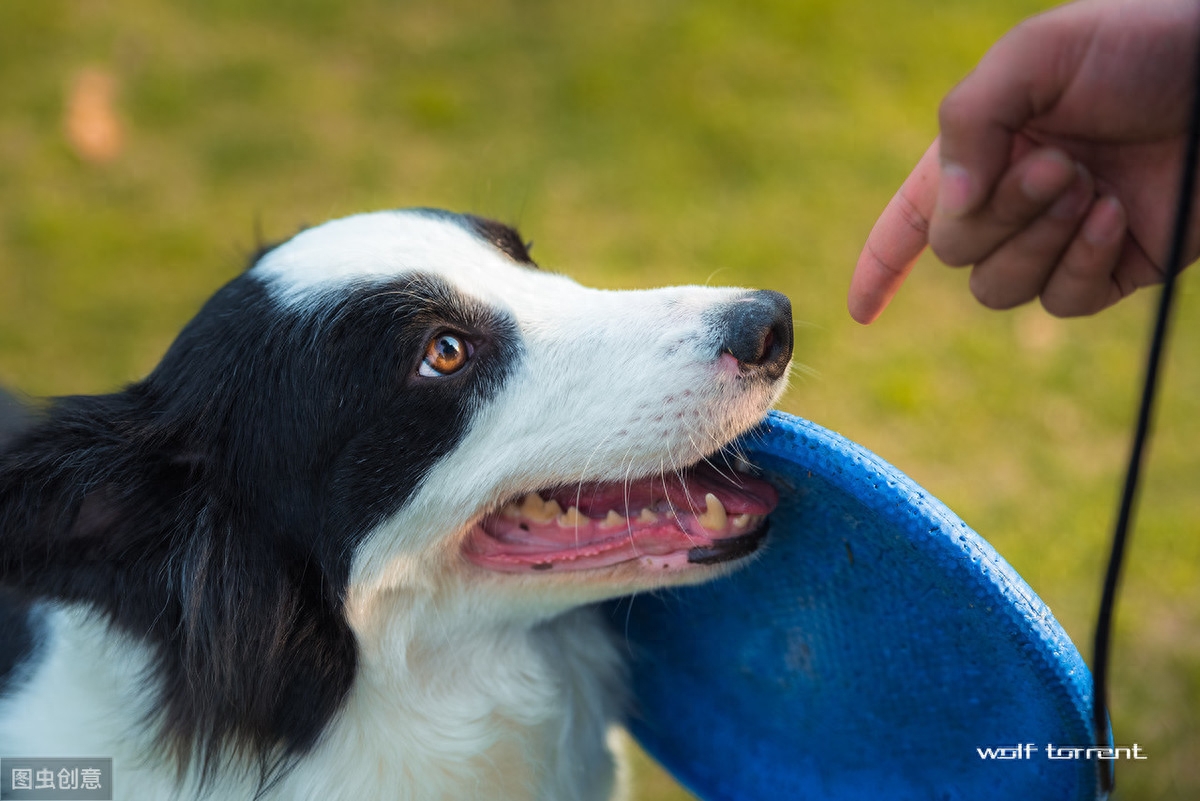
[876, 648]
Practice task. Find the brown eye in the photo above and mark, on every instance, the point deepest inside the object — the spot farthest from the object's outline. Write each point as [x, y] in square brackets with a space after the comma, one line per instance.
[445, 354]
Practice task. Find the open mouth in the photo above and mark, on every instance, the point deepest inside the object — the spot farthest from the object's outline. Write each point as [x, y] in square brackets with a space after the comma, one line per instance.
[701, 516]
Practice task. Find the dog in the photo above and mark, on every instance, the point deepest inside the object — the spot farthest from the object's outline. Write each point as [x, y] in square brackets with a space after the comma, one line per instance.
[344, 540]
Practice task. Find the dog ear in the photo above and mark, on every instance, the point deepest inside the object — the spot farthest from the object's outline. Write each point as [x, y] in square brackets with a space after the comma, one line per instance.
[254, 653]
[67, 501]
[91, 496]
[265, 655]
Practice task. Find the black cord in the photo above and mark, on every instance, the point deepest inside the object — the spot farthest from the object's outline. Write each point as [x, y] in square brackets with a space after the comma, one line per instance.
[1101, 647]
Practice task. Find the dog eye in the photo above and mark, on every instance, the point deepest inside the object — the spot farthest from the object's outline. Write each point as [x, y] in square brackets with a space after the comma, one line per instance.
[445, 354]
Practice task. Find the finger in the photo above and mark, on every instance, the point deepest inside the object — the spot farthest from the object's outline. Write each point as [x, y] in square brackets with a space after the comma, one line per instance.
[1022, 76]
[1021, 196]
[1016, 272]
[895, 242]
[1085, 280]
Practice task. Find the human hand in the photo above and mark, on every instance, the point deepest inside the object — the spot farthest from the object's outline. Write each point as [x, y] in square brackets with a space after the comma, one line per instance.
[1057, 168]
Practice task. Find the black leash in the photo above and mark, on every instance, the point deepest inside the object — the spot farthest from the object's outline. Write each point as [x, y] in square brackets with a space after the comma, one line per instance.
[1101, 647]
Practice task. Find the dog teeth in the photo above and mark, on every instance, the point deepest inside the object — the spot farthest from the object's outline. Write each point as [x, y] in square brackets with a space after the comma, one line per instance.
[741, 465]
[571, 518]
[714, 518]
[612, 520]
[532, 503]
[534, 509]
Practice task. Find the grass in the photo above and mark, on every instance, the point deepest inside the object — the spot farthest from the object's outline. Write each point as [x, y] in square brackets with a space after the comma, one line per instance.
[638, 143]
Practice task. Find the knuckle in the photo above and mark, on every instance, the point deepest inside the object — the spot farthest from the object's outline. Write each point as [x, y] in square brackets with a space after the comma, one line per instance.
[1125, 284]
[1062, 305]
[950, 247]
[991, 292]
[1079, 298]
[883, 261]
[1085, 264]
[954, 113]
[911, 215]
[1015, 212]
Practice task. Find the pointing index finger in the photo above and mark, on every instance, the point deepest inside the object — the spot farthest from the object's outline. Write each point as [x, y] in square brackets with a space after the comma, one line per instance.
[899, 236]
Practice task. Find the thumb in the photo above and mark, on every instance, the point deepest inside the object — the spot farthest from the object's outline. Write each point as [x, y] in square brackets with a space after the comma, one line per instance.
[1020, 78]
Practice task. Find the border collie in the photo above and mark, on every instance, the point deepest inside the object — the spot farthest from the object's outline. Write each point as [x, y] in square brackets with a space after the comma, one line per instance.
[341, 542]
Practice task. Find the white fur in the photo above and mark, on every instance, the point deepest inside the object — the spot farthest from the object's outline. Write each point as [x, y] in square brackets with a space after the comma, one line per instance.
[471, 684]
[481, 713]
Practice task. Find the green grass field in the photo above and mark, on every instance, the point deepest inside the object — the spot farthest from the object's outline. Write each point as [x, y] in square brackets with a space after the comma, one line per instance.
[637, 142]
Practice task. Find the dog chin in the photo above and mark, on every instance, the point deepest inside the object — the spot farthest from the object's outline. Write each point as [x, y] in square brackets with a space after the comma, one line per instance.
[339, 529]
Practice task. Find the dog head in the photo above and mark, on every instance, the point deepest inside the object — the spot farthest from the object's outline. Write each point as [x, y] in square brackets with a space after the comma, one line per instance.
[506, 420]
[389, 401]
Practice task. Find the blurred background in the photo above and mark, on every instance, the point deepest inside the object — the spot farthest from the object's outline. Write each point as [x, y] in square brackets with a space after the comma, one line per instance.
[146, 147]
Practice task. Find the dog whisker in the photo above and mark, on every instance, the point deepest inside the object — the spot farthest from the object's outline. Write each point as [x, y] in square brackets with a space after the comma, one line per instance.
[305, 565]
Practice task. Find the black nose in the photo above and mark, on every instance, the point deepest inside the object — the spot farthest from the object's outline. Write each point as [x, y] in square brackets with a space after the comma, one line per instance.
[756, 330]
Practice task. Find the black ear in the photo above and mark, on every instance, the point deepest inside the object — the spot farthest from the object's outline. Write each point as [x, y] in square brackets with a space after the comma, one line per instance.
[72, 495]
[505, 238]
[101, 504]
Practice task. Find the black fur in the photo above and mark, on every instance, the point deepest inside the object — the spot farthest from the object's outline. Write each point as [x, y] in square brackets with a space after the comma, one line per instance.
[503, 237]
[14, 417]
[17, 639]
[212, 509]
